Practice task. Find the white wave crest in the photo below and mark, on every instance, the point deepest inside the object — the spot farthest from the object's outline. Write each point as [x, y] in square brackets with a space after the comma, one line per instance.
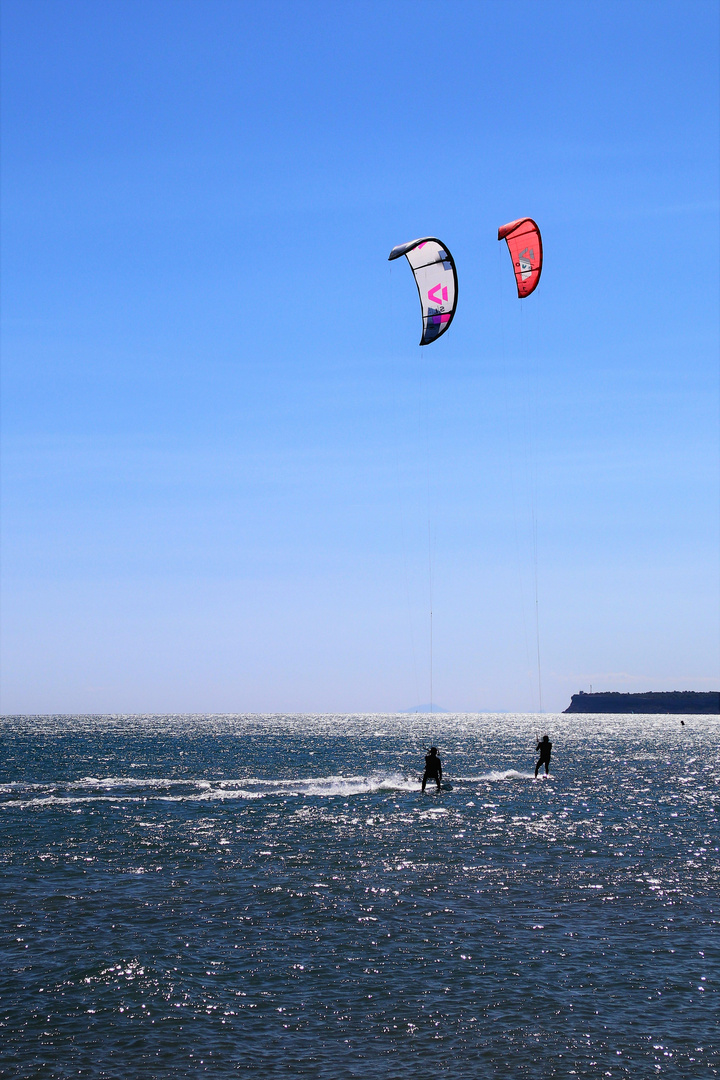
[497, 774]
[165, 789]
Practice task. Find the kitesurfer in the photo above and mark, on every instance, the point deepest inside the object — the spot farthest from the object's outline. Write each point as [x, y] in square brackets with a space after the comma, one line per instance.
[545, 748]
[433, 768]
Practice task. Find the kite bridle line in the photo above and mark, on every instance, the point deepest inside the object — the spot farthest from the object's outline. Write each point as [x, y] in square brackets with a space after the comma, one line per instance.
[405, 528]
[532, 420]
[536, 394]
[430, 576]
[511, 455]
[423, 367]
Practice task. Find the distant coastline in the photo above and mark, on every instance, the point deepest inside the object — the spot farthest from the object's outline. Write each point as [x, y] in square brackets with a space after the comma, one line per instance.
[424, 709]
[687, 702]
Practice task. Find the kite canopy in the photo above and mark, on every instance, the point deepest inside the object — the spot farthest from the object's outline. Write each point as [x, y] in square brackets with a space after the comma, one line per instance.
[525, 246]
[436, 280]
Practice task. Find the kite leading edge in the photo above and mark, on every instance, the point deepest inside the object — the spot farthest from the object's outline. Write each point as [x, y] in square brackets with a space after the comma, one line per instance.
[436, 278]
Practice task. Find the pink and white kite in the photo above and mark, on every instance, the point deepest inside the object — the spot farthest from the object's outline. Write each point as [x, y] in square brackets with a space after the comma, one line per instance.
[436, 280]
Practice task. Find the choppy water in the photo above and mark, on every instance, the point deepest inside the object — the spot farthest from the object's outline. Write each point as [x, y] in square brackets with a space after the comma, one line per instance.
[272, 896]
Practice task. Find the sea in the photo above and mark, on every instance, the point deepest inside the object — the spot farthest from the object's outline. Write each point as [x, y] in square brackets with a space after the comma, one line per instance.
[224, 896]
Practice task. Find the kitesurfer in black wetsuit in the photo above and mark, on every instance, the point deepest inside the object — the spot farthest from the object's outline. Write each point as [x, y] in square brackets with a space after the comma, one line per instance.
[433, 768]
[545, 748]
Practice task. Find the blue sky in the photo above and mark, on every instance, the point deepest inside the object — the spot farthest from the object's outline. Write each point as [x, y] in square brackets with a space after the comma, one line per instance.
[231, 479]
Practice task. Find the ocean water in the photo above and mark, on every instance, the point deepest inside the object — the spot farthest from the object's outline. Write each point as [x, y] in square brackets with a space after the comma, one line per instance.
[243, 895]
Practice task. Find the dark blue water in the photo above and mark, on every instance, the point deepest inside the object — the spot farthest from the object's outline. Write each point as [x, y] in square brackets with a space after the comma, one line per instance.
[273, 896]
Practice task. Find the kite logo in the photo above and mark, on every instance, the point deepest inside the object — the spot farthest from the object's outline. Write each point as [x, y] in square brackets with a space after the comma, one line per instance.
[432, 293]
[524, 263]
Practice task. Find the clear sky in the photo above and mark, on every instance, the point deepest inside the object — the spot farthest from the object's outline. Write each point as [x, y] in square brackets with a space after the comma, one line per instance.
[231, 479]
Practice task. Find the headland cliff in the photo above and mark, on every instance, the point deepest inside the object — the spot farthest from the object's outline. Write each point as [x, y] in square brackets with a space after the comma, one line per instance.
[675, 701]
